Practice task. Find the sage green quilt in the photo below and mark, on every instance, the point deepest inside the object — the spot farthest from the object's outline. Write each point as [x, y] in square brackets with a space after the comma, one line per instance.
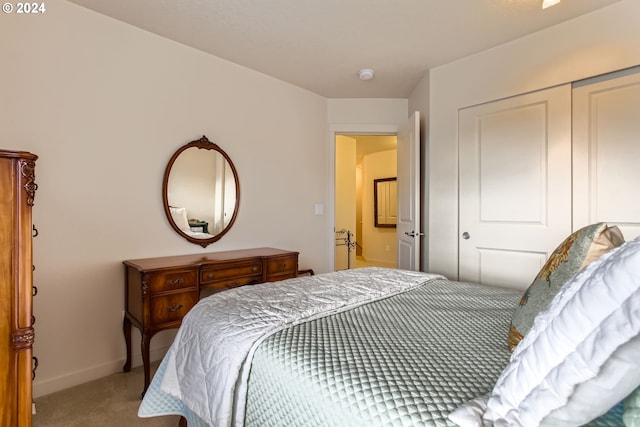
[407, 360]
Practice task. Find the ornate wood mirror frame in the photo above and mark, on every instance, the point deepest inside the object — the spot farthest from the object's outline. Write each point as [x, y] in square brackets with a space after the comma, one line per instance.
[201, 192]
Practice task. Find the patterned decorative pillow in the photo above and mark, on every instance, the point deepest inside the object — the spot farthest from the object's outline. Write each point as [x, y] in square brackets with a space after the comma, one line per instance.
[580, 357]
[573, 254]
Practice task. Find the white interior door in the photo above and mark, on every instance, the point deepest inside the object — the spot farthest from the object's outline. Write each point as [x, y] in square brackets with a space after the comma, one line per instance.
[408, 226]
[606, 140]
[515, 186]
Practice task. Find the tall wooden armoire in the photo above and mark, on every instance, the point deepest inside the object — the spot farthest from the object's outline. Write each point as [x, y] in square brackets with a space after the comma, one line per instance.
[17, 191]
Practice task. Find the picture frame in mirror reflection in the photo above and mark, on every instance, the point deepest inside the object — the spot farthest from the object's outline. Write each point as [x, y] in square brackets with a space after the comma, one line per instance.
[385, 202]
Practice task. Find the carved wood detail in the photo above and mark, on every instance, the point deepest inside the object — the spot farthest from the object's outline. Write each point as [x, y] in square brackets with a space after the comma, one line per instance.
[23, 338]
[27, 168]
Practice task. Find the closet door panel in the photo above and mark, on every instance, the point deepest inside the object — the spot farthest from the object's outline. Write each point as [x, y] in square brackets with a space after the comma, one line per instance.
[515, 186]
[606, 144]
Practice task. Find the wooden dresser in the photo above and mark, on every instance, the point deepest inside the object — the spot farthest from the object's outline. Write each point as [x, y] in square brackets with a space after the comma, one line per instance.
[160, 291]
[17, 192]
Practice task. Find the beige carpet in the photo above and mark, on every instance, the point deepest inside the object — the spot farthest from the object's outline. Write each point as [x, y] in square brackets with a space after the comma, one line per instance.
[110, 401]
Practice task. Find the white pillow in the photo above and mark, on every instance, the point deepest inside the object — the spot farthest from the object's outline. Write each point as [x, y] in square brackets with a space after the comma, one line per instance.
[470, 413]
[179, 216]
[576, 362]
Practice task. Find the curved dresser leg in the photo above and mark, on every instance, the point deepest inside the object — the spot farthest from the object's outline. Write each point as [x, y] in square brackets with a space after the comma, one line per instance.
[126, 327]
[145, 344]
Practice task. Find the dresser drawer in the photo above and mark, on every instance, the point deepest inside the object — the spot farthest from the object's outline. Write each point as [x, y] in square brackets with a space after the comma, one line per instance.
[172, 307]
[235, 271]
[172, 280]
[232, 283]
[285, 266]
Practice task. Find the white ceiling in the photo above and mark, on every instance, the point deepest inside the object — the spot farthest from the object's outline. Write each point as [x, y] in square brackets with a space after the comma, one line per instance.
[321, 44]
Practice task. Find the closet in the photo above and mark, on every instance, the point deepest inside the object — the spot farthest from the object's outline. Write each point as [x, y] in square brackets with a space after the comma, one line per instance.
[17, 192]
[535, 167]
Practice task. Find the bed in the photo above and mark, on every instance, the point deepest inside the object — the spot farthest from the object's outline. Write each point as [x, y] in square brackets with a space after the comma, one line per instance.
[387, 347]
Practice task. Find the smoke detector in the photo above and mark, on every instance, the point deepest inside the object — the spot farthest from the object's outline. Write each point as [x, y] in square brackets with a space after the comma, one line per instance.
[366, 74]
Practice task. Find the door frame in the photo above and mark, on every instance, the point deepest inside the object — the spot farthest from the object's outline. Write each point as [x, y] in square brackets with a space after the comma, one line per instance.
[345, 129]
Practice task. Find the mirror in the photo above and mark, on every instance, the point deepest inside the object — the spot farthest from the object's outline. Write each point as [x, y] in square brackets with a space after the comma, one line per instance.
[385, 202]
[201, 192]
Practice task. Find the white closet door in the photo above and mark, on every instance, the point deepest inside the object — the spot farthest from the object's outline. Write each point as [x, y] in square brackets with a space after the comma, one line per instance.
[515, 186]
[606, 142]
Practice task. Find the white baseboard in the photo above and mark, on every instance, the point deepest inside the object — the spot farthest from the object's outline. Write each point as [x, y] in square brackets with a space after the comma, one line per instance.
[71, 379]
[381, 262]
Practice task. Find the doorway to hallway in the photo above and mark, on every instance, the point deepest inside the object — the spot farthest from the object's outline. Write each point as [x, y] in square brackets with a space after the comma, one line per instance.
[361, 239]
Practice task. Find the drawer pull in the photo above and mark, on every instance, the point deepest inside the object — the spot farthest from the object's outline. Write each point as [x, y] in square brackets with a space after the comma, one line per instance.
[255, 268]
[233, 284]
[35, 231]
[175, 282]
[175, 308]
[211, 276]
[282, 266]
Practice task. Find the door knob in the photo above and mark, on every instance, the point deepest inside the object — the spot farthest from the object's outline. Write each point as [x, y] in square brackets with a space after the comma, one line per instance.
[413, 233]
[466, 235]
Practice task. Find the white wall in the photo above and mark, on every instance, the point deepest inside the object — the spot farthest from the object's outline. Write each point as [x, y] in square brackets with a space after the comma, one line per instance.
[359, 189]
[366, 112]
[376, 240]
[345, 212]
[105, 105]
[599, 42]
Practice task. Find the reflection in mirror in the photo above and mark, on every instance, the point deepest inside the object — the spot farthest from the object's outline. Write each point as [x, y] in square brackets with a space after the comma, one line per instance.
[201, 192]
[385, 202]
